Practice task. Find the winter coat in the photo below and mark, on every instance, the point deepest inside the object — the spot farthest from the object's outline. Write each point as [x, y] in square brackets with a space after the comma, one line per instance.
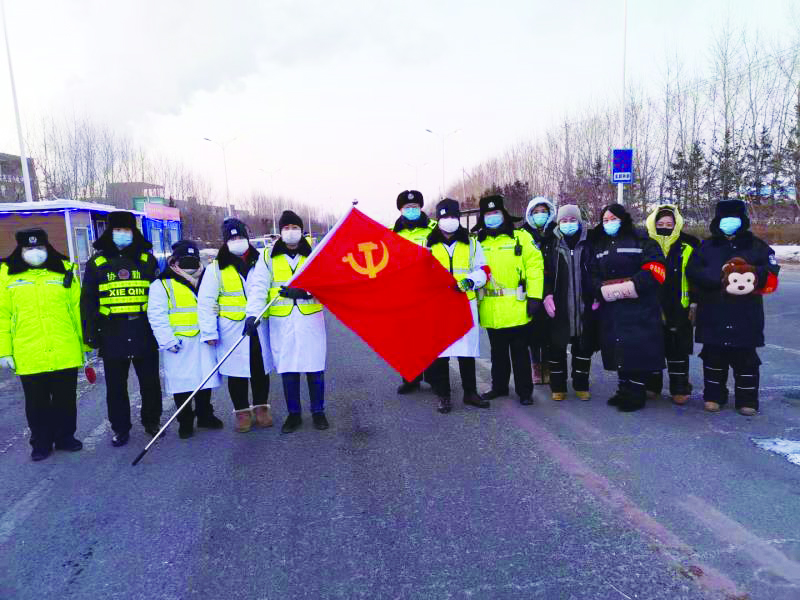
[40, 324]
[631, 333]
[227, 331]
[675, 294]
[544, 239]
[121, 336]
[565, 270]
[724, 319]
[183, 370]
[415, 231]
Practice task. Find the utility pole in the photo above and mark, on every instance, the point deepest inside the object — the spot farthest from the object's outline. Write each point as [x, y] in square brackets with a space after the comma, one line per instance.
[225, 165]
[26, 176]
[620, 186]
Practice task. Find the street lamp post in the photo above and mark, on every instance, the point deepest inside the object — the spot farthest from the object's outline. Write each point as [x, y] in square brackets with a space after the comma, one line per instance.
[271, 175]
[26, 176]
[222, 145]
[416, 172]
[442, 138]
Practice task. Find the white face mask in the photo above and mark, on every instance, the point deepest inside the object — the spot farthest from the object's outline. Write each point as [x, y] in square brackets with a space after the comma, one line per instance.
[291, 236]
[238, 247]
[34, 256]
[449, 224]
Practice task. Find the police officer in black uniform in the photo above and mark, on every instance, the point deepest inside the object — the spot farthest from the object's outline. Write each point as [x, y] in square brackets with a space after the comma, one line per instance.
[114, 315]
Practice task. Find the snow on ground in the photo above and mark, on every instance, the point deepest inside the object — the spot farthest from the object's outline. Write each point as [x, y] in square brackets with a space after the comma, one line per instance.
[788, 448]
[787, 253]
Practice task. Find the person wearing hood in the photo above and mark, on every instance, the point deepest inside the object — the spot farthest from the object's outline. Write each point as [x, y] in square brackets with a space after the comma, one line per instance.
[567, 304]
[540, 223]
[511, 296]
[731, 270]
[665, 226]
[415, 226]
[625, 274]
[114, 314]
[221, 310]
[296, 322]
[172, 312]
[462, 255]
[41, 338]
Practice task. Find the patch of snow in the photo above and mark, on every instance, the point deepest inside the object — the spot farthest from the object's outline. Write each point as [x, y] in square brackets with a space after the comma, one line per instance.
[788, 448]
[787, 253]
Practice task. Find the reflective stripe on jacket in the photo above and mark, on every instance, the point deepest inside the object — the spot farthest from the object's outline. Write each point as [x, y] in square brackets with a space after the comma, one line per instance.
[123, 292]
[232, 298]
[460, 263]
[281, 274]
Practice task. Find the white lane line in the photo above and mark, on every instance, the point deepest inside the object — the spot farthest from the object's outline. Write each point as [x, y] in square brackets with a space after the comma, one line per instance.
[776, 347]
[20, 511]
[732, 532]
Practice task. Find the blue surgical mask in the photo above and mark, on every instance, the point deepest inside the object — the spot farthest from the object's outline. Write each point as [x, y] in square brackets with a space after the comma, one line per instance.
[493, 221]
[730, 225]
[122, 239]
[411, 213]
[568, 228]
[539, 219]
[612, 227]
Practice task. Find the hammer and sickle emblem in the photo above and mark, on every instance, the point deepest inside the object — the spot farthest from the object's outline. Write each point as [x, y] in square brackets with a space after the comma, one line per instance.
[371, 269]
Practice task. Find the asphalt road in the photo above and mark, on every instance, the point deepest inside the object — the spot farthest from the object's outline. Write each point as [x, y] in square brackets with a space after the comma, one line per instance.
[567, 500]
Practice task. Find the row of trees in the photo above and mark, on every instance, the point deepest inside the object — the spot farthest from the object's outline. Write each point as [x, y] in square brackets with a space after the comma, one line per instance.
[78, 158]
[734, 133]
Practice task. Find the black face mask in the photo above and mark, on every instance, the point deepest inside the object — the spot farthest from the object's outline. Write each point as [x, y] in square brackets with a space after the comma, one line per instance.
[665, 231]
[189, 262]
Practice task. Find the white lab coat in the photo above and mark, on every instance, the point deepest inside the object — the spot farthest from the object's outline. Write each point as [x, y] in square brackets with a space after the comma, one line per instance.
[298, 341]
[470, 344]
[186, 369]
[228, 332]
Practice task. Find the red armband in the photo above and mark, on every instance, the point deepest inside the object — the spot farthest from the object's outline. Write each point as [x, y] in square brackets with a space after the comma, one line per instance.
[487, 269]
[770, 286]
[657, 270]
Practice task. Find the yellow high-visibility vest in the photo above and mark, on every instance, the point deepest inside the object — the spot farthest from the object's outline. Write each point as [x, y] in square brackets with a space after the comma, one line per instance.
[281, 274]
[123, 292]
[459, 264]
[232, 299]
[182, 308]
[419, 235]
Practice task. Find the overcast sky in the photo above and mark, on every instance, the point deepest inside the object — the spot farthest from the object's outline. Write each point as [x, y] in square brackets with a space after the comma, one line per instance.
[337, 94]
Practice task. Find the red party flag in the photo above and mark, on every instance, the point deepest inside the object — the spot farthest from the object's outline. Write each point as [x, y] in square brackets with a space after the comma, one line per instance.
[393, 293]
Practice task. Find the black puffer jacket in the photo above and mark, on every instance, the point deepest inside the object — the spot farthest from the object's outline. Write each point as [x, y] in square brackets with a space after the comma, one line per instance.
[724, 319]
[117, 336]
[631, 331]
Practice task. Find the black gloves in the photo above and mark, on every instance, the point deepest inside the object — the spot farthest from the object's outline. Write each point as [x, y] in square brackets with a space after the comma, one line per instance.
[294, 293]
[534, 304]
[250, 326]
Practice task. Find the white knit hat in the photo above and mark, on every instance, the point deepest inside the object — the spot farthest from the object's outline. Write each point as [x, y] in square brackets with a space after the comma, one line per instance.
[569, 210]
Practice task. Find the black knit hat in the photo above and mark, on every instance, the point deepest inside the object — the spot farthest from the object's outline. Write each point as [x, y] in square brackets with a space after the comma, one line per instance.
[409, 197]
[731, 208]
[27, 238]
[185, 248]
[448, 208]
[233, 226]
[121, 219]
[290, 218]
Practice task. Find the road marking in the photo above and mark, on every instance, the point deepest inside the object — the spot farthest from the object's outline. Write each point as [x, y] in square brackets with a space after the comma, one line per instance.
[670, 545]
[732, 532]
[22, 509]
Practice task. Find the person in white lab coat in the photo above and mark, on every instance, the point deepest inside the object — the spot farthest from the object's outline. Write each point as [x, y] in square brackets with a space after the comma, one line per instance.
[296, 322]
[222, 301]
[463, 257]
[172, 312]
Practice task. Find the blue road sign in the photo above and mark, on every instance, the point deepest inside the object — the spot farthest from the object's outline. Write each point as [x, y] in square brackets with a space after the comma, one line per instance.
[622, 166]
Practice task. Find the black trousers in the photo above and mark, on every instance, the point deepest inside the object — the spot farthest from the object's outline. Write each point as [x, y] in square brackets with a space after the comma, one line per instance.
[50, 407]
[119, 404]
[745, 364]
[509, 348]
[581, 366]
[259, 380]
[677, 367]
[632, 386]
[202, 406]
[439, 375]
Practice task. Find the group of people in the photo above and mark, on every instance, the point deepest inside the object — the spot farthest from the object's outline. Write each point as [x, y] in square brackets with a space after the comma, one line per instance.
[553, 285]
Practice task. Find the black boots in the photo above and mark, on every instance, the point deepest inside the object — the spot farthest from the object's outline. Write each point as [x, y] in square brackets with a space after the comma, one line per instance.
[292, 423]
[186, 429]
[151, 429]
[409, 387]
[120, 439]
[473, 399]
[492, 394]
[71, 445]
[320, 422]
[445, 405]
[38, 454]
[209, 422]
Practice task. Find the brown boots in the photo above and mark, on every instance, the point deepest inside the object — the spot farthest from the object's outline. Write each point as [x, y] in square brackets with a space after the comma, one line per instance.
[244, 420]
[263, 416]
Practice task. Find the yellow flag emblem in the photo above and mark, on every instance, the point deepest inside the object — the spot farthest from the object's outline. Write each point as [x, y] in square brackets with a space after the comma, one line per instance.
[369, 269]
